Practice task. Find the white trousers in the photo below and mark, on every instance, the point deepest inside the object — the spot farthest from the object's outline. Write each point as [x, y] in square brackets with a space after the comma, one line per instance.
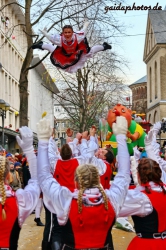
[38, 208]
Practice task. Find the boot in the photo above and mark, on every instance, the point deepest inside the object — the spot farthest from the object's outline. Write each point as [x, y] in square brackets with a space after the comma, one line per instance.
[46, 245]
[37, 45]
[38, 222]
[56, 245]
[107, 46]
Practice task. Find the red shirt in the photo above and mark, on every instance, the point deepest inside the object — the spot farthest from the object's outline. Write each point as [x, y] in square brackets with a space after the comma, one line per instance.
[64, 173]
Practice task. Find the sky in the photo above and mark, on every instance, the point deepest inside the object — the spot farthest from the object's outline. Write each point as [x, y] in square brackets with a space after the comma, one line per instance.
[132, 47]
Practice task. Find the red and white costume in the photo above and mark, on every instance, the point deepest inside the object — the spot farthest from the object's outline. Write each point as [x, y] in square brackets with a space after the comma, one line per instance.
[147, 210]
[149, 217]
[71, 56]
[103, 166]
[18, 206]
[63, 170]
[63, 202]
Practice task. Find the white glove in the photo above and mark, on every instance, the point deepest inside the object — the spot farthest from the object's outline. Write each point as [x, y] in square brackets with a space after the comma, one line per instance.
[133, 167]
[149, 138]
[86, 23]
[44, 129]
[137, 153]
[156, 127]
[26, 143]
[44, 32]
[121, 126]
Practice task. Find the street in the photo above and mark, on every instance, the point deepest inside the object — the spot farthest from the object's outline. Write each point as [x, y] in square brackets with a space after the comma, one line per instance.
[31, 236]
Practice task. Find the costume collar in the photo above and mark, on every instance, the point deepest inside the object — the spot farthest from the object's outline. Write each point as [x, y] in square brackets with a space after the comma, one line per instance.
[91, 196]
[9, 191]
[152, 185]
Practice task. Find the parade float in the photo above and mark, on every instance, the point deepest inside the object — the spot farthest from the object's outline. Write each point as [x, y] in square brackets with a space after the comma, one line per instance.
[136, 131]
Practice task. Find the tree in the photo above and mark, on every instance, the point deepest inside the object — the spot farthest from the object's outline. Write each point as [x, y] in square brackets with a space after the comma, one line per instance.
[95, 88]
[53, 14]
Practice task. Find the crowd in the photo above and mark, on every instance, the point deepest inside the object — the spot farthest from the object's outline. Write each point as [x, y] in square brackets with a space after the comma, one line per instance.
[18, 177]
[81, 203]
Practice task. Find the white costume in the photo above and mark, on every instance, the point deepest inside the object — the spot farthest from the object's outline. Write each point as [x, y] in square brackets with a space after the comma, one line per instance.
[58, 198]
[28, 197]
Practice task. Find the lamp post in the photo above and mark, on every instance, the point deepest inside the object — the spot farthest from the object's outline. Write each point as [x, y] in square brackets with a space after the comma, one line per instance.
[4, 106]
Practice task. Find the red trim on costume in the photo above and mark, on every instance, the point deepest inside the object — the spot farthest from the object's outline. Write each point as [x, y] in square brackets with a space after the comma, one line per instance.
[6, 226]
[64, 173]
[106, 177]
[158, 199]
[68, 55]
[85, 234]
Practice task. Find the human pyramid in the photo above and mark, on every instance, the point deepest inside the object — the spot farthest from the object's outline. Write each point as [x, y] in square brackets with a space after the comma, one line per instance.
[76, 189]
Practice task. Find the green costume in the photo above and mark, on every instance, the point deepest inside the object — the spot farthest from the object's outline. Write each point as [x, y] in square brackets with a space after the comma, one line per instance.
[134, 127]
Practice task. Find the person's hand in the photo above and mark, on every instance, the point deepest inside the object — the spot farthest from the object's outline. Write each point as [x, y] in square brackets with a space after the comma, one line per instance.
[53, 133]
[26, 143]
[121, 126]
[68, 140]
[149, 138]
[85, 135]
[44, 31]
[86, 23]
[79, 136]
[156, 127]
[137, 153]
[44, 129]
[92, 131]
[69, 132]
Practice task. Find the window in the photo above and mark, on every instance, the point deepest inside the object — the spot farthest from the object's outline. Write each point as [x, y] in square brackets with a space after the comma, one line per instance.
[63, 135]
[155, 80]
[10, 117]
[150, 84]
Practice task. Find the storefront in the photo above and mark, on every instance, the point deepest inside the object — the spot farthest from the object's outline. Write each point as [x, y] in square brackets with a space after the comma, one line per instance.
[10, 142]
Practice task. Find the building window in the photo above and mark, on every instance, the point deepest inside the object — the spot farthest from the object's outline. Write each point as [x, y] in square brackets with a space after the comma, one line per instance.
[10, 117]
[155, 80]
[149, 117]
[63, 135]
[155, 117]
[150, 83]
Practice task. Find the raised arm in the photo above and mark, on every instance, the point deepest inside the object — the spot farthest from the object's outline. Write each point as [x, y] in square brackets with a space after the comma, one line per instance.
[153, 148]
[119, 187]
[28, 197]
[53, 154]
[55, 39]
[56, 198]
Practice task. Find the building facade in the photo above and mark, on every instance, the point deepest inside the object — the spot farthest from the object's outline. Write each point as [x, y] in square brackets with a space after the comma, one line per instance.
[62, 122]
[155, 59]
[13, 48]
[139, 95]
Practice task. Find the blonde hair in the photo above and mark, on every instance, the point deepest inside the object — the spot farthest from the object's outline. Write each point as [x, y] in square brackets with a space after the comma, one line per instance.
[87, 176]
[3, 172]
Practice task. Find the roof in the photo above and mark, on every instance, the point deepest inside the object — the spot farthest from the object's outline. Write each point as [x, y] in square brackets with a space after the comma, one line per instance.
[141, 80]
[158, 22]
[43, 72]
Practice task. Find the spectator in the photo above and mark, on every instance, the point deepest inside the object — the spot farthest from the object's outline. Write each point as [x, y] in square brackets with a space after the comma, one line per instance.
[15, 182]
[25, 172]
[18, 168]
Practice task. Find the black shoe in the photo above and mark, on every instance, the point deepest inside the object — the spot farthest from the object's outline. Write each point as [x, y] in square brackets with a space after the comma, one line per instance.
[37, 45]
[107, 46]
[38, 222]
